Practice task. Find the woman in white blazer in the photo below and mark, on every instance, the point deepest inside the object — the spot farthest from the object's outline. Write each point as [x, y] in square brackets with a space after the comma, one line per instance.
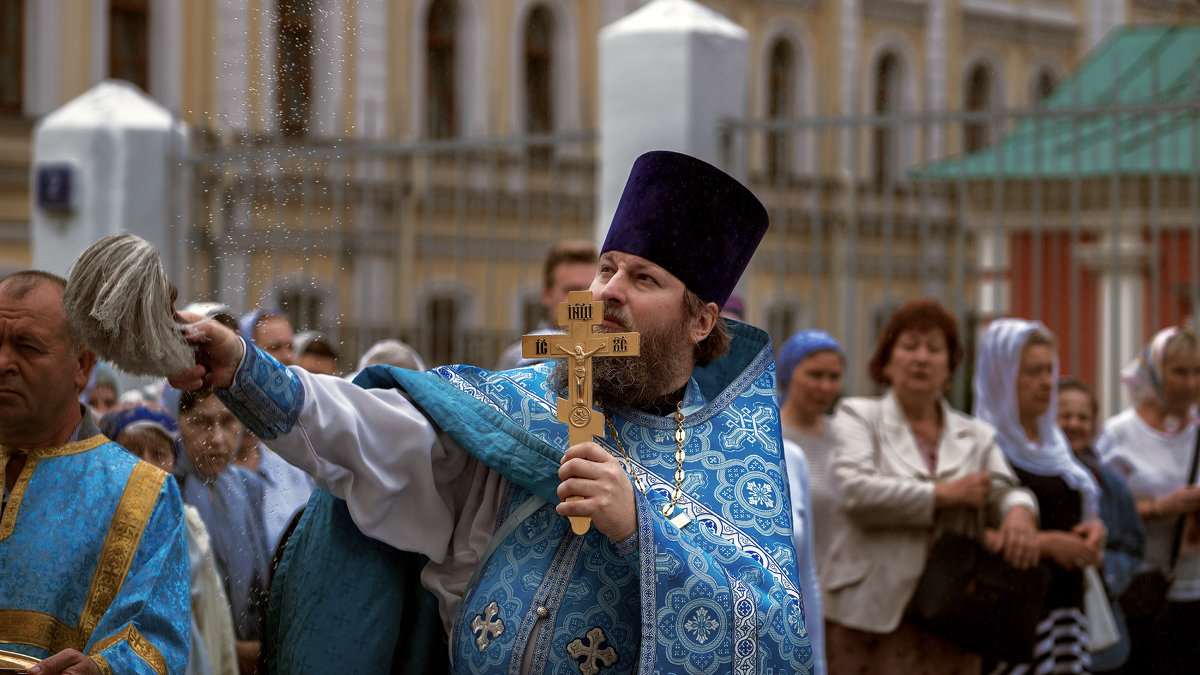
[906, 464]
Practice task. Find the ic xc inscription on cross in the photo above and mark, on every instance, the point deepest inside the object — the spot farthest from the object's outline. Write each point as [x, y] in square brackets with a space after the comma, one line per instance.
[579, 314]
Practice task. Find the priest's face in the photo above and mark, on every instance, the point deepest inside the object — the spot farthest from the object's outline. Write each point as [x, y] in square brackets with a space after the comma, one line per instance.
[41, 372]
[210, 435]
[641, 296]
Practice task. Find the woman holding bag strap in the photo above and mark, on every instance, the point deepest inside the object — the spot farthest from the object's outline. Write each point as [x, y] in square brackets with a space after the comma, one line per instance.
[906, 464]
[1014, 391]
[1152, 445]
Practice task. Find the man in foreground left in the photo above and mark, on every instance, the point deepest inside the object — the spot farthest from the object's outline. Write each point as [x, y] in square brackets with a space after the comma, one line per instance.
[92, 541]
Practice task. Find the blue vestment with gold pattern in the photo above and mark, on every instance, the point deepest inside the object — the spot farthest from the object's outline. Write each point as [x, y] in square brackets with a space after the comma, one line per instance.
[93, 556]
[719, 595]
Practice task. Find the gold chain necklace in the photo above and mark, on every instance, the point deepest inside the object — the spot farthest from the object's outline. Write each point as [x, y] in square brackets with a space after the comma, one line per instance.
[682, 519]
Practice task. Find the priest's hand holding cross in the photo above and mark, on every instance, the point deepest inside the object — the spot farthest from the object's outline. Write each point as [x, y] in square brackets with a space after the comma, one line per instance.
[594, 484]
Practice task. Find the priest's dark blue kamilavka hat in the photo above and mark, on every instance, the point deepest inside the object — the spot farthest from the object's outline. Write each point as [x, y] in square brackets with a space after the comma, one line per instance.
[692, 219]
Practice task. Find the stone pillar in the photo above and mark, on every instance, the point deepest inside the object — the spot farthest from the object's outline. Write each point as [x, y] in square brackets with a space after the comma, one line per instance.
[104, 163]
[1121, 271]
[669, 73]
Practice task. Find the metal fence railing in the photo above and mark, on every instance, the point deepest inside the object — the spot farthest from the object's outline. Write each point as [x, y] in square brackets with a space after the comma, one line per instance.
[1082, 213]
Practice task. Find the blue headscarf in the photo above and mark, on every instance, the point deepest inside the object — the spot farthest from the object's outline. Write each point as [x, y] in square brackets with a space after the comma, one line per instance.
[140, 417]
[248, 320]
[799, 347]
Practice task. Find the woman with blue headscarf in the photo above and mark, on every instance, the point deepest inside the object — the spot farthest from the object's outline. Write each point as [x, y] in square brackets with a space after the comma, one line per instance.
[809, 368]
[1015, 376]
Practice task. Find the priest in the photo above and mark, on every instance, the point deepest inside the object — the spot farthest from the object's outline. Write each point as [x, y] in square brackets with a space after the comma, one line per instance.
[689, 567]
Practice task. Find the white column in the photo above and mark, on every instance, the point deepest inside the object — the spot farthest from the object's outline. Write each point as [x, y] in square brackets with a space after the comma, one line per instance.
[43, 62]
[233, 82]
[994, 292]
[328, 56]
[935, 46]
[166, 48]
[1120, 273]
[118, 150]
[848, 73]
[669, 73]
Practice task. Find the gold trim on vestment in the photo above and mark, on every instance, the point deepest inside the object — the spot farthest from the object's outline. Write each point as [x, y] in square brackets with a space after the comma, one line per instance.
[27, 627]
[138, 644]
[102, 664]
[73, 448]
[18, 626]
[124, 535]
[9, 521]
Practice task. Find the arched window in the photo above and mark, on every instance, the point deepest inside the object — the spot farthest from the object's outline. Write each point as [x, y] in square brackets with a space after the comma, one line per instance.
[302, 305]
[781, 96]
[129, 41]
[978, 98]
[1043, 85]
[785, 316]
[885, 145]
[539, 71]
[441, 54]
[294, 69]
[12, 56]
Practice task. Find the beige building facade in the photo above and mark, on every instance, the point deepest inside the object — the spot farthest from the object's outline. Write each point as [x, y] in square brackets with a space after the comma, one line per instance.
[397, 168]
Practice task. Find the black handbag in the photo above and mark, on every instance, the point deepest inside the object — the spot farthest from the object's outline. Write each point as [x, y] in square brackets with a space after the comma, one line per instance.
[973, 598]
[1146, 595]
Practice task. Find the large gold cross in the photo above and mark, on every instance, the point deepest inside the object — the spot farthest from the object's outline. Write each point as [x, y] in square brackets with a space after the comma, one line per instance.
[579, 314]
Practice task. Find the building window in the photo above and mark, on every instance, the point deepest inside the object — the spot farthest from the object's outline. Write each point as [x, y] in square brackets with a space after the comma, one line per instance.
[294, 74]
[129, 41]
[539, 71]
[885, 145]
[302, 306]
[784, 317]
[12, 38]
[977, 134]
[781, 82]
[443, 320]
[533, 313]
[1043, 85]
[441, 53]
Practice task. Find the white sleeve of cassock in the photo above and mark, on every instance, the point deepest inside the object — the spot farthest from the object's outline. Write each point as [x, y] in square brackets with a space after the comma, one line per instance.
[405, 483]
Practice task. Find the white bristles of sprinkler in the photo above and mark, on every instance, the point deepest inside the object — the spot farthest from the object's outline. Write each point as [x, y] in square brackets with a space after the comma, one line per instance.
[120, 303]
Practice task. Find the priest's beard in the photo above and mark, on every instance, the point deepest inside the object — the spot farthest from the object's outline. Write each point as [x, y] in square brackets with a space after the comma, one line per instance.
[643, 381]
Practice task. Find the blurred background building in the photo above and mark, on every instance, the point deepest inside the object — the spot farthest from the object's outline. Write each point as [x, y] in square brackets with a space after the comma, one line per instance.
[398, 168]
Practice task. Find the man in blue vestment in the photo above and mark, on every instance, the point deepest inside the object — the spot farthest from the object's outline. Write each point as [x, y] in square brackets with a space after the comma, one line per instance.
[92, 541]
[689, 567]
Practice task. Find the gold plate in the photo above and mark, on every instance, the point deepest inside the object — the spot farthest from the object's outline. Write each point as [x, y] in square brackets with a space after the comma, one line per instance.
[15, 660]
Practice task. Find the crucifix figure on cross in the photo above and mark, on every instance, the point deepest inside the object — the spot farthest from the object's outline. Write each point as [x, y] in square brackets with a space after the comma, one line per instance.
[579, 314]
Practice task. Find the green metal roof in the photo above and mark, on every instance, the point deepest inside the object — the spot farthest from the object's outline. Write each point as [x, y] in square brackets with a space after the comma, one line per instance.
[1153, 67]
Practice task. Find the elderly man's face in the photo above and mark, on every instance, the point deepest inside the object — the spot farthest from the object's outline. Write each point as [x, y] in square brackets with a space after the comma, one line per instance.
[40, 375]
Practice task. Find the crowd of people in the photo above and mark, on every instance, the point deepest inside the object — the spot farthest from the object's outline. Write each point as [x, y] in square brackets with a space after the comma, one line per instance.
[1056, 486]
[402, 520]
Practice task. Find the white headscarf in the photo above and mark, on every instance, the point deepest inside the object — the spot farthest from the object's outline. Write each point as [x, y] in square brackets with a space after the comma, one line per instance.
[1143, 375]
[995, 385]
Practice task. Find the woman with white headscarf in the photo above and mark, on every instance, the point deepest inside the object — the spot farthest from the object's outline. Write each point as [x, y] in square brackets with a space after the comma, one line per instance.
[1015, 374]
[1151, 445]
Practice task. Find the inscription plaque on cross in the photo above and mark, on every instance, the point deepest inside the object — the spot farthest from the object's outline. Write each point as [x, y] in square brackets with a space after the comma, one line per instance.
[579, 344]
